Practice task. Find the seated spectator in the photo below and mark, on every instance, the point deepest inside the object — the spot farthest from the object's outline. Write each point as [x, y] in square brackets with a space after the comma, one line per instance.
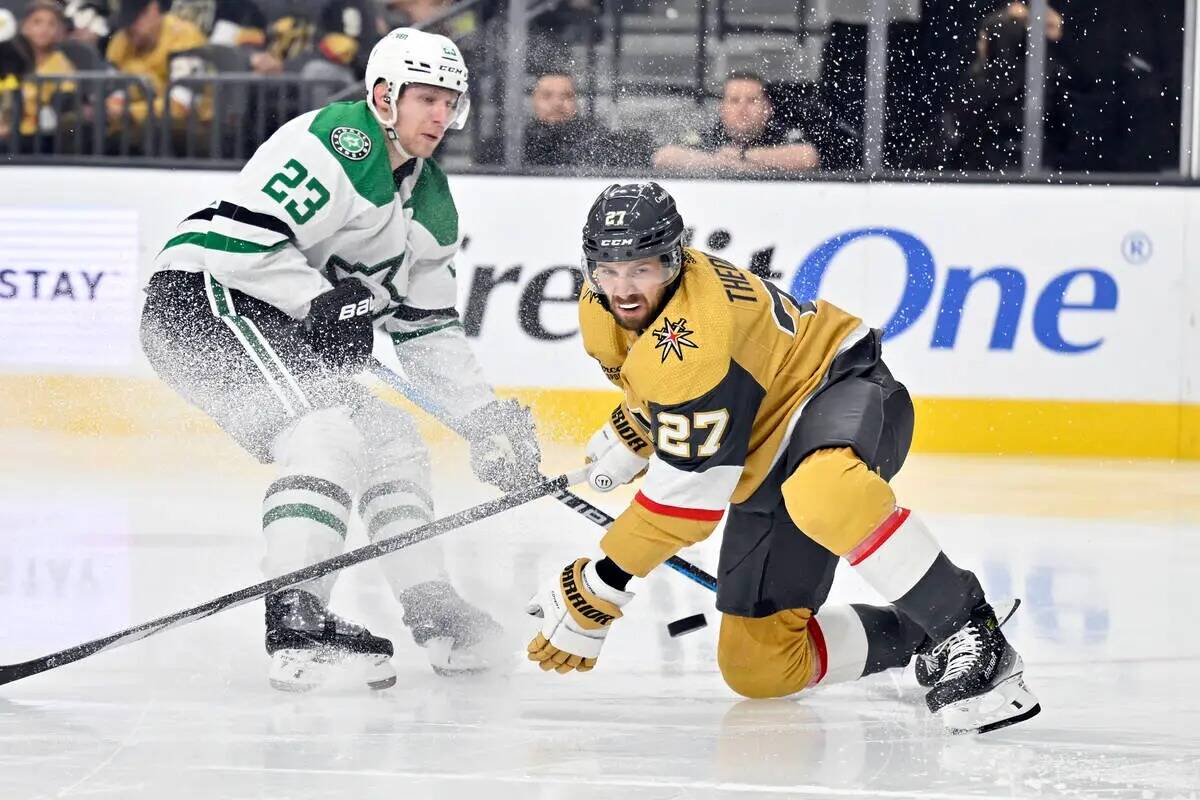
[406, 13]
[315, 38]
[15, 63]
[144, 40]
[745, 139]
[44, 27]
[558, 135]
[984, 121]
[88, 22]
[233, 23]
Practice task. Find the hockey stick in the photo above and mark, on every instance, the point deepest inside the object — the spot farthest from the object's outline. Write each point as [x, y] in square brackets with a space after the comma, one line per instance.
[15, 672]
[567, 498]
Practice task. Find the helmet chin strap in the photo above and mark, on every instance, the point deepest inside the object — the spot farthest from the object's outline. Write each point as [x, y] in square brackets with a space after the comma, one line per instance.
[389, 124]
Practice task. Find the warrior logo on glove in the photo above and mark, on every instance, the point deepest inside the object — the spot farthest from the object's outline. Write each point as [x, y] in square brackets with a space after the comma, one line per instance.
[577, 609]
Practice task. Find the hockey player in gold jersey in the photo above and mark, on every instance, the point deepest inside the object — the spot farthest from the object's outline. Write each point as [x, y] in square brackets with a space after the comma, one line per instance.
[741, 402]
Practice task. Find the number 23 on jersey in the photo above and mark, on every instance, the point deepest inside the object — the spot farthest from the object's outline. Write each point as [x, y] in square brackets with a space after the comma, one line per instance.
[300, 203]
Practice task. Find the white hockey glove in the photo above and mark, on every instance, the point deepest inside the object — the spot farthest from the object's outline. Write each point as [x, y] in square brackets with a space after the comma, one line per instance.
[504, 445]
[612, 463]
[577, 608]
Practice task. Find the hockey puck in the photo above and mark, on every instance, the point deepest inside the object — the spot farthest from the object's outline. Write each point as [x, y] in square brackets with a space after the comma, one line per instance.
[681, 627]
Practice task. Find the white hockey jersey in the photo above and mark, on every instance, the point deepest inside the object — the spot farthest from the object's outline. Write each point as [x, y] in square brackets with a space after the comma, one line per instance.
[319, 201]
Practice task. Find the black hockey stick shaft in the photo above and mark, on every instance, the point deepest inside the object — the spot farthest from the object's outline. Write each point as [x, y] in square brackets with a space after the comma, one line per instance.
[14, 672]
[567, 498]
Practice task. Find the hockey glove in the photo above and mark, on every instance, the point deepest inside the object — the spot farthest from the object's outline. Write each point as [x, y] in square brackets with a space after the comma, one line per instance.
[339, 326]
[577, 608]
[504, 445]
[613, 464]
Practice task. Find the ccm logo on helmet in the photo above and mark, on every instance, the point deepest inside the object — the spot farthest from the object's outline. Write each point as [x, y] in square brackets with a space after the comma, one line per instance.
[615, 242]
[351, 310]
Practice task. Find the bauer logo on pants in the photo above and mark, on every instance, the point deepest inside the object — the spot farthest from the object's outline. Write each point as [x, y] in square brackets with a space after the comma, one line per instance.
[350, 143]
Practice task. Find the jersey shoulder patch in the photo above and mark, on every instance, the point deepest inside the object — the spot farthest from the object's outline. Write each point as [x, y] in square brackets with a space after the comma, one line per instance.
[351, 135]
[433, 205]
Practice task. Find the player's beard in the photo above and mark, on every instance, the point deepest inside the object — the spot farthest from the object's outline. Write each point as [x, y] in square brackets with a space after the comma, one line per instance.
[639, 318]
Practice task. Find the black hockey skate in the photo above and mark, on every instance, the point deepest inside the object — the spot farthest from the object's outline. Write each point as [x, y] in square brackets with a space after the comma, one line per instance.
[981, 687]
[311, 646]
[929, 662]
[459, 638]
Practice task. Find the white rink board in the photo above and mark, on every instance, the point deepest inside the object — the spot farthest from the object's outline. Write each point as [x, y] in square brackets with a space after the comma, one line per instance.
[1121, 249]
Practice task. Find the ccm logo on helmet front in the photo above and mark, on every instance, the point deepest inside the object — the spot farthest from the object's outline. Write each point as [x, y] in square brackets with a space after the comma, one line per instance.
[615, 242]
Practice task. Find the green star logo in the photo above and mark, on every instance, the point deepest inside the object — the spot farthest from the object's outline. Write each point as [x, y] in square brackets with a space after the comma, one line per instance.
[350, 143]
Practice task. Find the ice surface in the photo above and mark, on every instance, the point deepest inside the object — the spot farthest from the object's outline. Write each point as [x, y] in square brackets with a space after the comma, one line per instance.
[99, 535]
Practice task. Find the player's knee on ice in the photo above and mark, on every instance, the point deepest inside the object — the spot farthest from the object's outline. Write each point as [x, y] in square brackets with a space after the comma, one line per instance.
[768, 656]
[836, 499]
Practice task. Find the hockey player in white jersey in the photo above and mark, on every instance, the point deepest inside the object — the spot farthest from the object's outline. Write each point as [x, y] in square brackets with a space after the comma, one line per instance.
[264, 305]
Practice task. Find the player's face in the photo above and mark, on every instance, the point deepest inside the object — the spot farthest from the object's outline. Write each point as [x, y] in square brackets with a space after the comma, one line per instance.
[423, 113]
[745, 108]
[633, 288]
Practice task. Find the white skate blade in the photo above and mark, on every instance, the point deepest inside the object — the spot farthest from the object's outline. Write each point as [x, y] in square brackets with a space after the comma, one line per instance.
[450, 663]
[309, 670]
[1007, 704]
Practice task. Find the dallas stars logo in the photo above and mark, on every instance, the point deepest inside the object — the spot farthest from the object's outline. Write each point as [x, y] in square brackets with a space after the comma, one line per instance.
[673, 337]
[351, 143]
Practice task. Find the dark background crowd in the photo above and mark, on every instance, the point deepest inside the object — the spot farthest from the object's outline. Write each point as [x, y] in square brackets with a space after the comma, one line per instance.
[772, 86]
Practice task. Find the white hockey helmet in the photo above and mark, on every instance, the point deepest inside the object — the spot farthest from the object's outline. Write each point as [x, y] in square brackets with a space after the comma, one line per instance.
[407, 55]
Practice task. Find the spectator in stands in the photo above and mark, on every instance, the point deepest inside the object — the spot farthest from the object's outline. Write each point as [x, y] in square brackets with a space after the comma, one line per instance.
[44, 27]
[15, 63]
[745, 139]
[984, 121]
[88, 22]
[327, 39]
[232, 23]
[404, 13]
[145, 38]
[558, 135]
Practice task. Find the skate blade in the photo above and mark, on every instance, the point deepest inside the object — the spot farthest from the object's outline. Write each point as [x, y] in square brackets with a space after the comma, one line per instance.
[1007, 704]
[300, 671]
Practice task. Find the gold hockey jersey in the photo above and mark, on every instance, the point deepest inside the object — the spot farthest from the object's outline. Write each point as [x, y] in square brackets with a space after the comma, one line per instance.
[712, 391]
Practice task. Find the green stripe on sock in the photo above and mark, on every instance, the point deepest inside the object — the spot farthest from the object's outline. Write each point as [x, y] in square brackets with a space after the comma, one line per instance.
[225, 244]
[400, 338]
[309, 483]
[305, 511]
[393, 487]
[390, 515]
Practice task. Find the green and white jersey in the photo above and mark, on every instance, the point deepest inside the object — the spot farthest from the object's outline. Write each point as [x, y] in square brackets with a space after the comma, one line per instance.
[319, 201]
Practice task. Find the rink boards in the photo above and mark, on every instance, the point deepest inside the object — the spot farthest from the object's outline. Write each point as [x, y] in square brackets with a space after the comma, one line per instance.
[1024, 319]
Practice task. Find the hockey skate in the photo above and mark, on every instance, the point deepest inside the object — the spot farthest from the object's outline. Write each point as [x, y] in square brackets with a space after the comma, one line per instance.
[312, 647]
[981, 687]
[458, 638]
[929, 662]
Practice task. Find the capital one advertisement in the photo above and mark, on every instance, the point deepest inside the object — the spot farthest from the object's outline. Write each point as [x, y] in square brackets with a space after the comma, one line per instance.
[981, 291]
[989, 291]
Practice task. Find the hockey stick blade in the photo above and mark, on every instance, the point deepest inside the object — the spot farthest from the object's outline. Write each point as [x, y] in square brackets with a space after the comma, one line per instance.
[571, 500]
[15, 672]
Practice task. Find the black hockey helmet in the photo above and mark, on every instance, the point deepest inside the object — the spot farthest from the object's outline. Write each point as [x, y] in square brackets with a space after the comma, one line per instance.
[631, 222]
